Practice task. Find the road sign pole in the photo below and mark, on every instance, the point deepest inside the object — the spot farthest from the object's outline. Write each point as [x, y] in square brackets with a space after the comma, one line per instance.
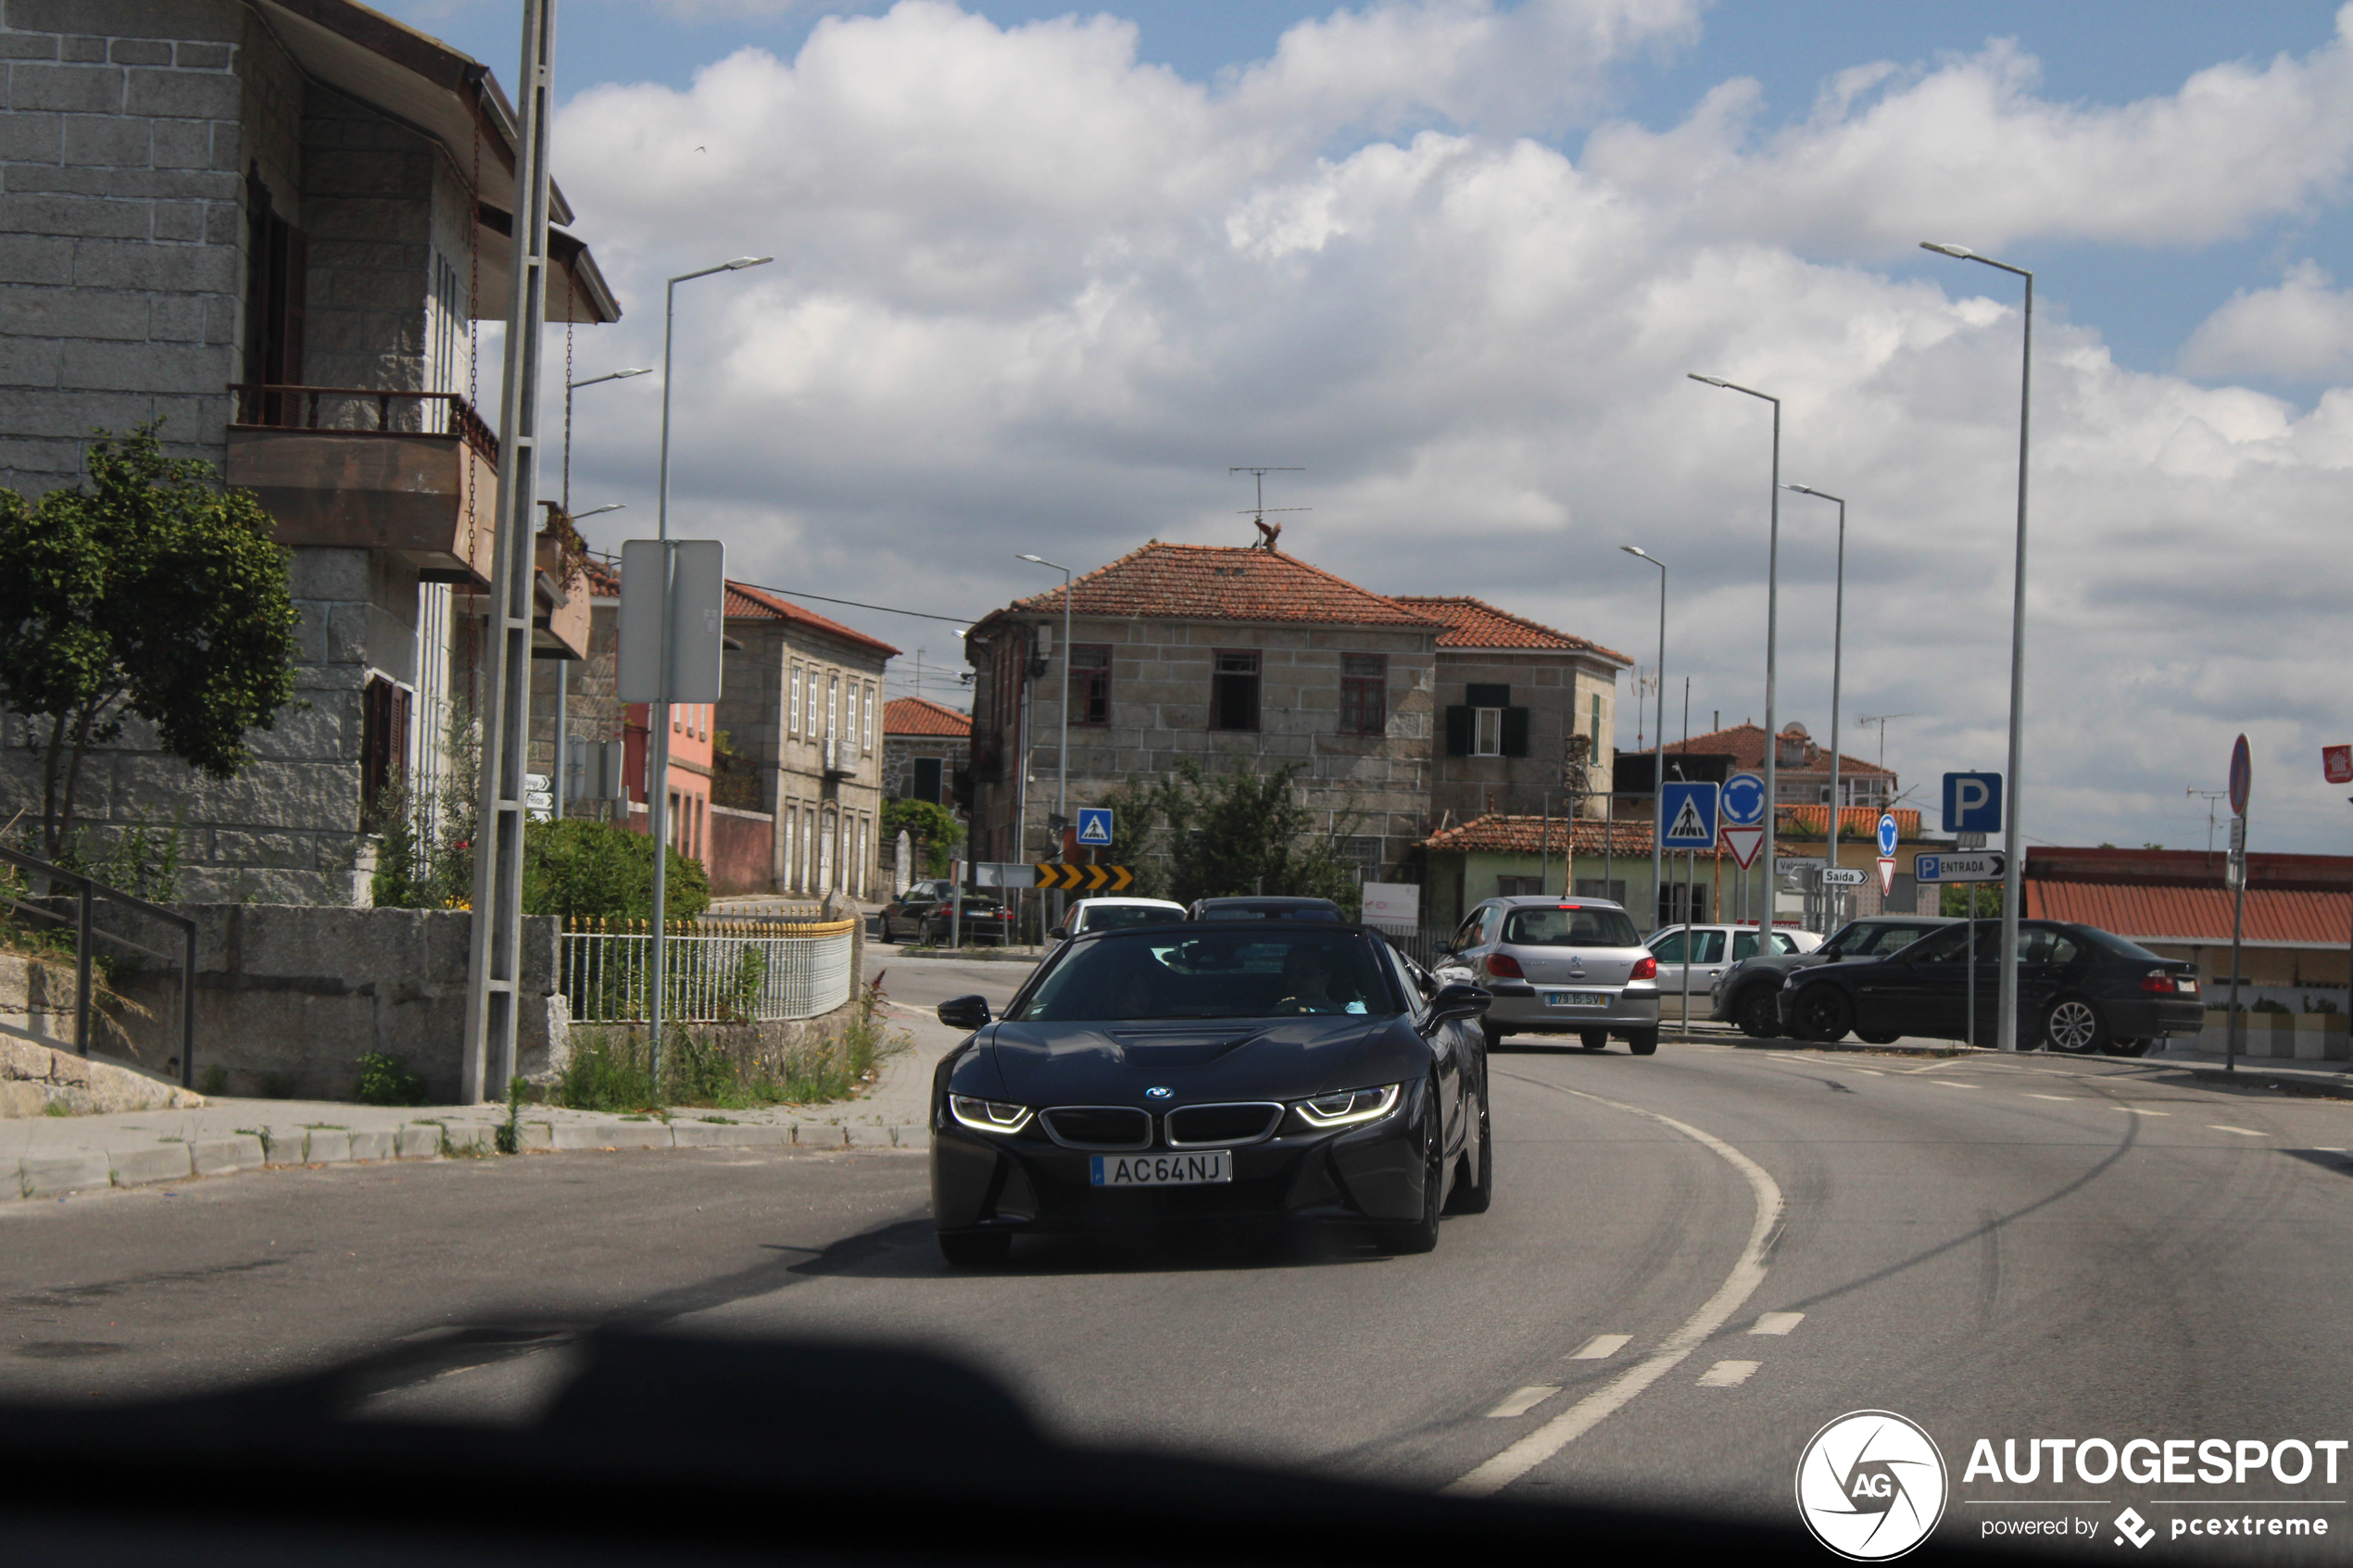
[1970, 1036]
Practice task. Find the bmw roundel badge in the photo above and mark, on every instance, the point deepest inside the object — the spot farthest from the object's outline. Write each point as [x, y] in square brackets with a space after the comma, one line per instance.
[1156, 1092]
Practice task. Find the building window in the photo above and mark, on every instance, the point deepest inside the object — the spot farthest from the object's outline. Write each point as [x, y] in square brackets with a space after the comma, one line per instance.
[1233, 701]
[1089, 683]
[1486, 725]
[1365, 851]
[1519, 886]
[928, 770]
[1594, 887]
[1487, 736]
[1363, 694]
[383, 745]
[870, 716]
[833, 705]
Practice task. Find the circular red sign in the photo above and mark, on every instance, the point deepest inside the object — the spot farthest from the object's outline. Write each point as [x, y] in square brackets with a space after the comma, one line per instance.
[2242, 774]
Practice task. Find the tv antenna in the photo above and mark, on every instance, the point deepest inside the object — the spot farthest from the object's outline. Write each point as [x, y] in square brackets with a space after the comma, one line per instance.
[2210, 796]
[1266, 534]
[1880, 719]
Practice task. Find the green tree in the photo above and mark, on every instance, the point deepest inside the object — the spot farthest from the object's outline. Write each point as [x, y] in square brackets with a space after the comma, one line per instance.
[583, 869]
[1963, 899]
[933, 829]
[152, 593]
[1245, 832]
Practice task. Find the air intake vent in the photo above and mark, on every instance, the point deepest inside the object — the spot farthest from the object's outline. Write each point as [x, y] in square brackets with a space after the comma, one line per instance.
[1097, 1127]
[1201, 1126]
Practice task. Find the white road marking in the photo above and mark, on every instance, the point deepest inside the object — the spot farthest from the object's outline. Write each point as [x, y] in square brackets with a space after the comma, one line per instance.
[2243, 1132]
[1522, 1402]
[1602, 1346]
[1872, 1070]
[2031, 1095]
[1949, 1061]
[1778, 1323]
[2326, 1149]
[2137, 1110]
[1746, 1274]
[1727, 1374]
[1941, 1083]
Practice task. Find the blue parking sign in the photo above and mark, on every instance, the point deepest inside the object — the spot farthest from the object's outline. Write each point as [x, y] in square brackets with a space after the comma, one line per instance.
[1094, 825]
[1972, 803]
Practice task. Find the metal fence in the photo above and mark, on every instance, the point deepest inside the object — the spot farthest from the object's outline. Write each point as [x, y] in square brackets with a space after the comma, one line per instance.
[79, 893]
[716, 971]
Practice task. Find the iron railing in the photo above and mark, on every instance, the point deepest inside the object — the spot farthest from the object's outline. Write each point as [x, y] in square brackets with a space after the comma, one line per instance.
[716, 971]
[87, 890]
[298, 407]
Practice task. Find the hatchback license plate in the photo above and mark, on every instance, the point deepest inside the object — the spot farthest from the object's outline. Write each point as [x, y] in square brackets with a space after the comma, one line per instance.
[1575, 1000]
[1163, 1170]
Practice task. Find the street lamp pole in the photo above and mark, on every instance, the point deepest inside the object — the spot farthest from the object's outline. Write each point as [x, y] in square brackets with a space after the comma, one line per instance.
[1838, 651]
[1658, 770]
[2013, 841]
[1772, 647]
[658, 713]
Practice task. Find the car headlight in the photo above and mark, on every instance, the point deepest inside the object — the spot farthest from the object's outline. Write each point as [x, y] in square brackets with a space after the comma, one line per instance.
[989, 1115]
[1349, 1107]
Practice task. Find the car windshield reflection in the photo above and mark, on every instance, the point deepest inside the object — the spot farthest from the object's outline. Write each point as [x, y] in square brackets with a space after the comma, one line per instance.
[1274, 972]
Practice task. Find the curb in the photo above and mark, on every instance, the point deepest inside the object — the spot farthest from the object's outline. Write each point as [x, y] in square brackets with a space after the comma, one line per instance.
[56, 1175]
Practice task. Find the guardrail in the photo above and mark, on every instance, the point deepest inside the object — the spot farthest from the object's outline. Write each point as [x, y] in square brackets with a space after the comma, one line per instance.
[717, 972]
[87, 889]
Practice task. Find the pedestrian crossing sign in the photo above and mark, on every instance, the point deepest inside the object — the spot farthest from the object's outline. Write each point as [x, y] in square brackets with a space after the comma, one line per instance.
[1687, 815]
[1094, 825]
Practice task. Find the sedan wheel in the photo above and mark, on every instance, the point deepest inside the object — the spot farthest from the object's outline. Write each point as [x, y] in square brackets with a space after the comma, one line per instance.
[1421, 1236]
[1759, 1011]
[2074, 1025]
[2129, 1047]
[1643, 1042]
[1823, 1014]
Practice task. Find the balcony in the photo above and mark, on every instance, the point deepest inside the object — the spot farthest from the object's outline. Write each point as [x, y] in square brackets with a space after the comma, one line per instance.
[414, 474]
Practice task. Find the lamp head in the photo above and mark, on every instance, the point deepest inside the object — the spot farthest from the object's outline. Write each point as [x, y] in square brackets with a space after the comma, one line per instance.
[608, 507]
[743, 261]
[1712, 381]
[633, 371]
[1038, 560]
[1636, 550]
[1960, 253]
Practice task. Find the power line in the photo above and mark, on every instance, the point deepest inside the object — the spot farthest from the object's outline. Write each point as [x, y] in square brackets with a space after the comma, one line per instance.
[959, 620]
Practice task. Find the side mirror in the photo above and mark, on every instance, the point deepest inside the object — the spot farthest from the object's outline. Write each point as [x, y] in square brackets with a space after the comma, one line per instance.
[1446, 948]
[1458, 1001]
[1061, 933]
[964, 1013]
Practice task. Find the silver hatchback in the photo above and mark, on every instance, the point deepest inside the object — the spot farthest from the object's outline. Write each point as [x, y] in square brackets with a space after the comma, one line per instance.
[1558, 966]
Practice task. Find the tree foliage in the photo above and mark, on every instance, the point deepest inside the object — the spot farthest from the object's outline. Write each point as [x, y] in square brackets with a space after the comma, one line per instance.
[933, 829]
[152, 593]
[1230, 835]
[583, 869]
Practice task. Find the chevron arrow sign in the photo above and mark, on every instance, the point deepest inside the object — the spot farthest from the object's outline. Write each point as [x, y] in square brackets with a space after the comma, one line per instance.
[1084, 879]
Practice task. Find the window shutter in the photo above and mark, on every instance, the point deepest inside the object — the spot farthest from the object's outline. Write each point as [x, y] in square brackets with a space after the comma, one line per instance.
[1458, 731]
[1514, 732]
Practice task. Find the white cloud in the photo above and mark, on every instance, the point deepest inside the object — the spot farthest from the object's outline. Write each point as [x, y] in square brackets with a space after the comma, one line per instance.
[2301, 331]
[1033, 296]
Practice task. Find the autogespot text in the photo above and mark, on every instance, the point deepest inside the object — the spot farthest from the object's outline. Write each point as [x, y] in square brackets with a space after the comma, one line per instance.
[2163, 1462]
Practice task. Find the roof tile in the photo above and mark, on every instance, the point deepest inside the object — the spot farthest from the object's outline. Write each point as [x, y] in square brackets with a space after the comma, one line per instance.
[1221, 582]
[921, 716]
[1475, 624]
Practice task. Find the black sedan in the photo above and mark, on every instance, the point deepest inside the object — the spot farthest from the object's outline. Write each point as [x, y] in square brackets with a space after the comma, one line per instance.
[2080, 989]
[1213, 1072]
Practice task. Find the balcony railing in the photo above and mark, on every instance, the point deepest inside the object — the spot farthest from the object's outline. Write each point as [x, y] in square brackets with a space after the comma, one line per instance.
[334, 409]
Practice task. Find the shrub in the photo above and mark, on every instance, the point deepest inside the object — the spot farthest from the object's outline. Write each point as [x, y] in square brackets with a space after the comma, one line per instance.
[583, 869]
[384, 1079]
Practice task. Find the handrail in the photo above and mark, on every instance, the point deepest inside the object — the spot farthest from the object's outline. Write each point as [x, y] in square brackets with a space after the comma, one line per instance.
[85, 888]
[271, 405]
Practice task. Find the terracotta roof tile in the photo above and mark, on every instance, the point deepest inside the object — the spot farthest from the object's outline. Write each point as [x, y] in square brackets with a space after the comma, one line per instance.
[1475, 624]
[748, 603]
[921, 716]
[1854, 822]
[1502, 833]
[1220, 582]
[1744, 744]
[2176, 895]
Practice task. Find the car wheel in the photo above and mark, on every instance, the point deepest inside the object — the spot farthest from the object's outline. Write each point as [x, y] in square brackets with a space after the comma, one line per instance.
[2130, 1047]
[1823, 1014]
[1758, 1013]
[1878, 1040]
[2074, 1025]
[1421, 1236]
[968, 1249]
[1643, 1042]
[1473, 1196]
[1595, 1040]
[1495, 1038]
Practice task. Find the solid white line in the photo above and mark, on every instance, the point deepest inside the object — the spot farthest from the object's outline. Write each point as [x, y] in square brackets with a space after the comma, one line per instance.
[1934, 1066]
[1727, 1374]
[2137, 1110]
[1872, 1070]
[2243, 1132]
[1602, 1346]
[1778, 1323]
[1746, 1274]
[1522, 1402]
[1948, 1083]
[2031, 1095]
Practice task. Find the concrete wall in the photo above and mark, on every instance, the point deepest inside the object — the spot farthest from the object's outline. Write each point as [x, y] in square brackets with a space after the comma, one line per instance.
[742, 851]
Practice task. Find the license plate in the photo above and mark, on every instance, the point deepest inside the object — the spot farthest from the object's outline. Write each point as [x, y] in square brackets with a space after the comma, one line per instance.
[1575, 1000]
[1163, 1170]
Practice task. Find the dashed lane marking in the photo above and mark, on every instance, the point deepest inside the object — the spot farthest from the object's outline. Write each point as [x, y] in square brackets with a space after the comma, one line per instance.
[2137, 1110]
[1948, 1083]
[1934, 1066]
[1602, 1346]
[2031, 1095]
[2243, 1132]
[1778, 1323]
[1727, 1374]
[1522, 1402]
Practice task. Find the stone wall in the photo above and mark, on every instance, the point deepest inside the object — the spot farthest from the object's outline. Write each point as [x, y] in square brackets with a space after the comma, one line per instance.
[1558, 690]
[756, 709]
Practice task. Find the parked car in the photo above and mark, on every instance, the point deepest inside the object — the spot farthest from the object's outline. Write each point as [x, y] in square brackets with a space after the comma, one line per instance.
[1703, 950]
[2080, 989]
[1749, 992]
[924, 914]
[902, 918]
[1114, 1092]
[1557, 966]
[1105, 914]
[1267, 908]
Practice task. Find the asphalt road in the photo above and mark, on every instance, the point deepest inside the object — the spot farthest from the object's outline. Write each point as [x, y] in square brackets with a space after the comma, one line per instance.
[2020, 1249]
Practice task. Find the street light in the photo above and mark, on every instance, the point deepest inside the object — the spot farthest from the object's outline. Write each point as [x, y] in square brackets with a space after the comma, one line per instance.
[1837, 649]
[658, 713]
[1658, 770]
[573, 386]
[1772, 646]
[2013, 842]
[599, 511]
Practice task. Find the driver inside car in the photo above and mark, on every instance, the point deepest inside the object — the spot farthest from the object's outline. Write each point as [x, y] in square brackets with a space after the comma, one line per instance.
[1308, 984]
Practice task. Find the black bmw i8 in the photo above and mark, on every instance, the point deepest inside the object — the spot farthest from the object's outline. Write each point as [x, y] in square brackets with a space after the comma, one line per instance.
[1213, 1070]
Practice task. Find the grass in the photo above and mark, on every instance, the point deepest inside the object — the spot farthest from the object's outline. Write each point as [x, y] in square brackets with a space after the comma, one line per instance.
[384, 1079]
[57, 1108]
[609, 1071]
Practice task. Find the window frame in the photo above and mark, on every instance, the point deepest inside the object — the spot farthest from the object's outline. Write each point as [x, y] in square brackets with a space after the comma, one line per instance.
[1487, 732]
[1219, 675]
[1364, 695]
[1091, 687]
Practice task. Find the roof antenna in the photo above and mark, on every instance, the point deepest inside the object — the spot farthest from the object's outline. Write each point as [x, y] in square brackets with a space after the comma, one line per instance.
[1267, 532]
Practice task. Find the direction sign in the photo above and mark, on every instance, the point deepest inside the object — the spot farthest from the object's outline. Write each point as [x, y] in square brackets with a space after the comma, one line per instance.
[1094, 825]
[1687, 816]
[1743, 801]
[537, 780]
[539, 799]
[2242, 775]
[1745, 842]
[1972, 803]
[1084, 879]
[2336, 761]
[1842, 877]
[1986, 867]
[1887, 835]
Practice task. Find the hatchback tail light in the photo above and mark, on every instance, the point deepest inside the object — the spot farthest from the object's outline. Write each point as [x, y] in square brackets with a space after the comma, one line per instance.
[2164, 981]
[1503, 966]
[1644, 968]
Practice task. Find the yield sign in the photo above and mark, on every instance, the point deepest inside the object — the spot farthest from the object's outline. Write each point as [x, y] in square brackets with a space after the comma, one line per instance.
[1886, 875]
[1745, 842]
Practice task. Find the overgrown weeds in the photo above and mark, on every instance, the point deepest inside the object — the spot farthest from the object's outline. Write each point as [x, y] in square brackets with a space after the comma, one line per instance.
[610, 1071]
[384, 1079]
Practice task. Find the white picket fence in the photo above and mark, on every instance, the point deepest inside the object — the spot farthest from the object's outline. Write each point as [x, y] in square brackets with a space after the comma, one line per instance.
[717, 972]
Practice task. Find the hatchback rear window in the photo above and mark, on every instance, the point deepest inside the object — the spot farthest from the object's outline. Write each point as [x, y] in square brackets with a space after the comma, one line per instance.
[1569, 926]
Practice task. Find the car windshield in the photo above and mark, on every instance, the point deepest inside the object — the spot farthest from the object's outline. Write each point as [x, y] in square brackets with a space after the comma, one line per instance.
[1568, 925]
[1274, 973]
[1876, 940]
[1115, 917]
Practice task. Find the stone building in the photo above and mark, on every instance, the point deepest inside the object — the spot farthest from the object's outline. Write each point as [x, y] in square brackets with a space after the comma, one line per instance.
[801, 703]
[924, 745]
[271, 227]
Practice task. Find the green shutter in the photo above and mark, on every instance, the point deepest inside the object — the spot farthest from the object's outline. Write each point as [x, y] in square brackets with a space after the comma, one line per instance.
[1514, 732]
[1458, 731]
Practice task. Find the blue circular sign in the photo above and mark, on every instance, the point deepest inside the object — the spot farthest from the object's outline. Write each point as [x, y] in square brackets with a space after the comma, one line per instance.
[1742, 801]
[1887, 835]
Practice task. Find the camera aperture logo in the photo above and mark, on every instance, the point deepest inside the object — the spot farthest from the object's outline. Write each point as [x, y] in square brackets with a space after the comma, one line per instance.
[1871, 1486]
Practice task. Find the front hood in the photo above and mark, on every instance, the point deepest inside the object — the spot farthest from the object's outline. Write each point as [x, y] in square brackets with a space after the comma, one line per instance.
[1201, 1062]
